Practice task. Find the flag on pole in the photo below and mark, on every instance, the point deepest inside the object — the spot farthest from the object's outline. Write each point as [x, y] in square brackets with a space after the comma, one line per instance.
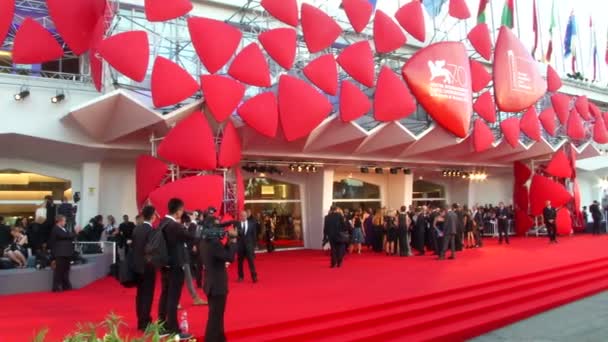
[481, 13]
[507, 14]
[551, 27]
[534, 28]
[569, 48]
[593, 48]
[606, 57]
[433, 7]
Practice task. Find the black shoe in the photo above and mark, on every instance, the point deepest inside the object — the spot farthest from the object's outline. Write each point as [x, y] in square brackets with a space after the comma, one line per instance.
[184, 336]
[240, 280]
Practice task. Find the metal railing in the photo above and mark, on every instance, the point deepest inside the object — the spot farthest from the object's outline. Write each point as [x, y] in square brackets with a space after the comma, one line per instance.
[55, 75]
[104, 247]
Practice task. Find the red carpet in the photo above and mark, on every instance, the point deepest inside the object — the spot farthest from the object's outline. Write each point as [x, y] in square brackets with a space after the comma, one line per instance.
[371, 298]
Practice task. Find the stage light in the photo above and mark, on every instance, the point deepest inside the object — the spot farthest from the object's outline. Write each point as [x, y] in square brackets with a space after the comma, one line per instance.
[394, 170]
[314, 169]
[22, 95]
[299, 168]
[57, 98]
[292, 167]
[307, 168]
[379, 170]
[364, 170]
[407, 171]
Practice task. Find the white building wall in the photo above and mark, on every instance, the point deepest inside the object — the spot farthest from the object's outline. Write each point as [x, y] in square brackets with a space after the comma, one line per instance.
[117, 189]
[496, 189]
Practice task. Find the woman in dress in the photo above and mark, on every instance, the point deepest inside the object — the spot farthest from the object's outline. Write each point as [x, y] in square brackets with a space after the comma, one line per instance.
[358, 235]
[468, 228]
[16, 251]
[378, 225]
[438, 227]
[391, 233]
[369, 228]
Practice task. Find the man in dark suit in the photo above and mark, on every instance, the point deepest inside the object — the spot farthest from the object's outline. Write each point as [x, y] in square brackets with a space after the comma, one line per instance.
[216, 258]
[333, 227]
[247, 230]
[125, 229]
[172, 276]
[478, 222]
[503, 223]
[62, 247]
[549, 215]
[596, 215]
[145, 271]
[5, 234]
[450, 230]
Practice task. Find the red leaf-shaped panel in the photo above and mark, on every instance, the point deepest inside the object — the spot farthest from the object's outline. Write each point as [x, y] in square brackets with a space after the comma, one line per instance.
[582, 107]
[280, 44]
[94, 58]
[284, 10]
[222, 95]
[149, 172]
[517, 81]
[485, 107]
[547, 119]
[439, 76]
[388, 36]
[230, 149]
[354, 103]
[600, 132]
[480, 77]
[521, 172]
[75, 20]
[559, 166]
[576, 192]
[510, 130]
[482, 136]
[170, 83]
[411, 17]
[196, 192]
[319, 29]
[250, 66]
[190, 144]
[6, 17]
[594, 110]
[214, 41]
[521, 197]
[393, 100]
[523, 222]
[530, 125]
[575, 128]
[261, 112]
[459, 9]
[33, 44]
[323, 72]
[479, 37]
[358, 13]
[162, 10]
[301, 107]
[358, 61]
[563, 221]
[554, 82]
[543, 189]
[127, 52]
[561, 104]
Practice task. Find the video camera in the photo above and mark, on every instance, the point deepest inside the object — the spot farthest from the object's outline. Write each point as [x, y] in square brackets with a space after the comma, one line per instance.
[212, 228]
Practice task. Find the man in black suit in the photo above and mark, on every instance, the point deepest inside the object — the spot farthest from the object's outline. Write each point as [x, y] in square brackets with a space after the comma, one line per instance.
[62, 247]
[503, 223]
[247, 231]
[172, 276]
[125, 229]
[549, 215]
[333, 227]
[450, 231]
[216, 258]
[596, 214]
[145, 271]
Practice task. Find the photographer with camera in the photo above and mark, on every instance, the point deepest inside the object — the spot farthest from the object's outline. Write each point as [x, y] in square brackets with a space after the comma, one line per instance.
[216, 256]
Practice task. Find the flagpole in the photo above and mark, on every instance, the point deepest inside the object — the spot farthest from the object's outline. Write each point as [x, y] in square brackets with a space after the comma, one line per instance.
[494, 28]
[561, 42]
[539, 31]
[516, 17]
[580, 49]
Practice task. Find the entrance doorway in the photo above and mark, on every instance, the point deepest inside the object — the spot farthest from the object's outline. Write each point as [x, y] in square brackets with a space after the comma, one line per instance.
[428, 193]
[353, 194]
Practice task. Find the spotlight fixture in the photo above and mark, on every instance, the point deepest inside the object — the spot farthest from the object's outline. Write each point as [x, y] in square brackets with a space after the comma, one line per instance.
[22, 95]
[307, 168]
[394, 170]
[365, 170]
[379, 170]
[58, 98]
[299, 168]
[407, 171]
[313, 169]
[292, 168]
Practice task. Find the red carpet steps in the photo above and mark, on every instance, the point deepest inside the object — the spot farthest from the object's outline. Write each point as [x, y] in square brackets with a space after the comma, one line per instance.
[453, 315]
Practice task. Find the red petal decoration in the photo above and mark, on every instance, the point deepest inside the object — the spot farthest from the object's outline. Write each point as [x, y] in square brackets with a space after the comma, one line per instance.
[319, 29]
[559, 166]
[530, 125]
[547, 119]
[459, 9]
[563, 222]
[393, 100]
[600, 132]
[479, 75]
[75, 21]
[440, 78]
[149, 172]
[358, 13]
[411, 18]
[284, 10]
[230, 149]
[261, 112]
[575, 128]
[33, 44]
[190, 144]
[554, 82]
[94, 58]
[582, 107]
[301, 107]
[521, 197]
[127, 52]
[353, 102]
[196, 192]
[323, 72]
[162, 10]
[521, 172]
[544, 189]
[523, 222]
[485, 107]
[214, 41]
[594, 110]
[222, 95]
[250, 66]
[280, 44]
[480, 39]
[577, 196]
[482, 136]
[517, 82]
[170, 83]
[6, 17]
[561, 104]
[388, 36]
[358, 61]
[510, 130]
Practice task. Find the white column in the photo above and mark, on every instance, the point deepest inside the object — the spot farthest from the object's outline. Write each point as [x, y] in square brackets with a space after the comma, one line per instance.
[89, 202]
[399, 190]
[318, 199]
